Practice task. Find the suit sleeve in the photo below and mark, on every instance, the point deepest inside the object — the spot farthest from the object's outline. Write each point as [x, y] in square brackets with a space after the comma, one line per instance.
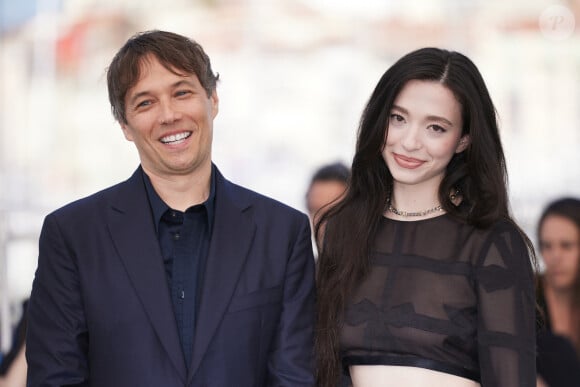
[57, 338]
[291, 360]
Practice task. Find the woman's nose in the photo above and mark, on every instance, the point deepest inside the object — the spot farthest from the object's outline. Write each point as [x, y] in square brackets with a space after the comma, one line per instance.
[411, 140]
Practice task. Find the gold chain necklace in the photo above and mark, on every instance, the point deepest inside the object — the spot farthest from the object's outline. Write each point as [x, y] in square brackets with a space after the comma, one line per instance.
[408, 214]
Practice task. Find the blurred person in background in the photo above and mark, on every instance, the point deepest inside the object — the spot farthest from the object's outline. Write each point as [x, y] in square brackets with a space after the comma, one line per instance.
[13, 364]
[175, 277]
[326, 186]
[559, 294]
[15, 375]
[424, 278]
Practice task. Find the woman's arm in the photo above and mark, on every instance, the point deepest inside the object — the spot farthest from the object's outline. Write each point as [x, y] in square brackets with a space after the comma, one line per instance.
[16, 375]
[506, 310]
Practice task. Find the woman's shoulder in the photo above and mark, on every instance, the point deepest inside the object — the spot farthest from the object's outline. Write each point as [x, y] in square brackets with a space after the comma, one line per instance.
[497, 230]
[504, 244]
[506, 230]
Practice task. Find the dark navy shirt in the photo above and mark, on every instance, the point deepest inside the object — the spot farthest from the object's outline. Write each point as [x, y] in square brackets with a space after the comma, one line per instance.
[184, 240]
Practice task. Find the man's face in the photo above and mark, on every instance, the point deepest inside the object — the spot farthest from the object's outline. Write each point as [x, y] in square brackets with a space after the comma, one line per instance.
[170, 120]
[322, 193]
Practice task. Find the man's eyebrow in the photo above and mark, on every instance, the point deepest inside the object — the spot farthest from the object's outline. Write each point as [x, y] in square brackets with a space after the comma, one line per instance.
[182, 82]
[137, 96]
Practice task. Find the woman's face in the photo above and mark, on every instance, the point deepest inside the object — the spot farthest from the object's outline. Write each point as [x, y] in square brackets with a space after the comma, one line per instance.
[424, 132]
[560, 248]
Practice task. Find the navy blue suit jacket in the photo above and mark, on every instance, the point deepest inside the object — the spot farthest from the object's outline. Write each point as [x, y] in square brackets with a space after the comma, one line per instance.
[100, 312]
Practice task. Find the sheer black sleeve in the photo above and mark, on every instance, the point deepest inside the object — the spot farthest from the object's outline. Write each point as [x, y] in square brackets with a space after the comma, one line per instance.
[506, 310]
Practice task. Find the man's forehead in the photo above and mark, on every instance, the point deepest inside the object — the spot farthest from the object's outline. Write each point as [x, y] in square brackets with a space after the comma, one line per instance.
[149, 60]
[145, 66]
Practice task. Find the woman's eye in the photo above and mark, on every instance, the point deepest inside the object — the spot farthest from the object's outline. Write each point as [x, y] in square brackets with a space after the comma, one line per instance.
[396, 118]
[438, 129]
[545, 246]
[568, 245]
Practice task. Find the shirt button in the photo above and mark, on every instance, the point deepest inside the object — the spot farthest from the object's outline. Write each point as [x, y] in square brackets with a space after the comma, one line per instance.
[176, 236]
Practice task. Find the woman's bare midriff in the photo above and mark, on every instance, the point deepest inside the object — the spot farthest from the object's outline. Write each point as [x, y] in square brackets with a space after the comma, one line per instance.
[397, 376]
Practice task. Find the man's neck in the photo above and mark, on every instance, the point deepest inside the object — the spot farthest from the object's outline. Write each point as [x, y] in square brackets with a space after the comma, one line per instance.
[182, 191]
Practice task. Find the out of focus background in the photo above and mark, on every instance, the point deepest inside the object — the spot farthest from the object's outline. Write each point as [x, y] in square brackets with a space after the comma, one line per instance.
[295, 75]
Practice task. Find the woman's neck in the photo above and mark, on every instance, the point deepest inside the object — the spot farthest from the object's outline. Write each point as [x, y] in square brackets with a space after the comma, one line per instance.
[416, 196]
[561, 312]
[413, 199]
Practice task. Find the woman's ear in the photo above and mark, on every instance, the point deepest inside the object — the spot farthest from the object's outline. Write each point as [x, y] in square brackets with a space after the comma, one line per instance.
[463, 143]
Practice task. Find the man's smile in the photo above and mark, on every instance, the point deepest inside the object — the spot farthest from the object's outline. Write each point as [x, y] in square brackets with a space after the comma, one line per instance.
[175, 138]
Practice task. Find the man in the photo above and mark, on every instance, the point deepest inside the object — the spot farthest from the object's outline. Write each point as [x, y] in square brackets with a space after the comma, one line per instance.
[327, 184]
[175, 277]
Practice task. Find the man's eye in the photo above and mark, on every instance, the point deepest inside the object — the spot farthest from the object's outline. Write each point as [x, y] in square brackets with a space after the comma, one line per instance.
[144, 103]
[181, 93]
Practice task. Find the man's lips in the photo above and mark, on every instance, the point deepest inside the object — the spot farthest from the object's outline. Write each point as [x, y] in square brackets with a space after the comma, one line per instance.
[407, 162]
[175, 138]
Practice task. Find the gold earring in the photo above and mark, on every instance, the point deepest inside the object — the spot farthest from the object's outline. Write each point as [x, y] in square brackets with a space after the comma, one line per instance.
[453, 196]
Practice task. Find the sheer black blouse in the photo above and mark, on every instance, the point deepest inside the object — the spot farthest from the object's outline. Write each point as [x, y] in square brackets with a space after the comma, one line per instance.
[446, 296]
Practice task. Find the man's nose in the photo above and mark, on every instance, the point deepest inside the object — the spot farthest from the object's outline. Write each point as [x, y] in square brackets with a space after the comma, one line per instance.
[168, 114]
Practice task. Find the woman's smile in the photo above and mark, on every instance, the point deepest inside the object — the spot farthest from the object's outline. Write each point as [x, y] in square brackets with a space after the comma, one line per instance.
[407, 162]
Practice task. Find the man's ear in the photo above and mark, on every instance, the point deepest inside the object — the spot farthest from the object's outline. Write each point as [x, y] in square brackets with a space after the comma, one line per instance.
[215, 103]
[127, 132]
[463, 143]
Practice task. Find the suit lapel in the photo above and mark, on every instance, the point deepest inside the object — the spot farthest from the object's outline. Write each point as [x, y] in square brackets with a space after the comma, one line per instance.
[232, 236]
[133, 234]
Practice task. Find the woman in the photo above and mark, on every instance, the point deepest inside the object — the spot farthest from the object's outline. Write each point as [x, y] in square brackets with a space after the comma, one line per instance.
[559, 294]
[13, 366]
[424, 279]
[15, 375]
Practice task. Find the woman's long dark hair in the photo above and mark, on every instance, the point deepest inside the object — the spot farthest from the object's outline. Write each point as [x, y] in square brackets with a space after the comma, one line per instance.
[568, 208]
[478, 173]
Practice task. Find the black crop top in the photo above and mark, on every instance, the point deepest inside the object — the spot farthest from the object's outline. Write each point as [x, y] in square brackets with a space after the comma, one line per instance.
[446, 296]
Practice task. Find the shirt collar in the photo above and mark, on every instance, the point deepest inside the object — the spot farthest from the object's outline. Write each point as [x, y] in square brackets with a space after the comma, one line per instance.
[159, 207]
